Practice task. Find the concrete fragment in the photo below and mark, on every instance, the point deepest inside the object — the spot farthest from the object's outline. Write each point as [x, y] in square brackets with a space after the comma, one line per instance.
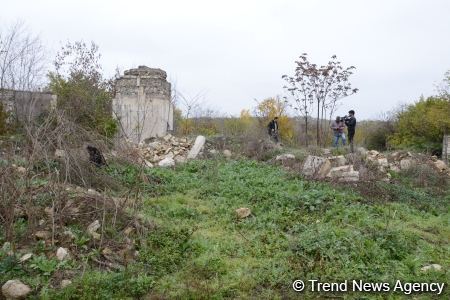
[198, 146]
[92, 229]
[316, 166]
[25, 257]
[15, 289]
[285, 156]
[62, 254]
[167, 162]
[406, 163]
[65, 283]
[227, 153]
[344, 174]
[432, 267]
[43, 234]
[60, 153]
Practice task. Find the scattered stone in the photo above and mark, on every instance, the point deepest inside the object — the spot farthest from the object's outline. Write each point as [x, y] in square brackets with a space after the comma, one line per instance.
[167, 162]
[43, 234]
[62, 254]
[65, 283]
[213, 151]
[432, 267]
[227, 153]
[25, 257]
[283, 157]
[15, 289]
[243, 212]
[93, 192]
[198, 146]
[316, 166]
[21, 170]
[406, 163]
[60, 153]
[92, 229]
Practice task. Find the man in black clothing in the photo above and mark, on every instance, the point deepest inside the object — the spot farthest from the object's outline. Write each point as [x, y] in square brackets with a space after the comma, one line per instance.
[273, 129]
[350, 122]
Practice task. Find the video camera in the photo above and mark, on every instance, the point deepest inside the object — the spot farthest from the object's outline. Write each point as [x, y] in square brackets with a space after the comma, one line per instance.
[345, 118]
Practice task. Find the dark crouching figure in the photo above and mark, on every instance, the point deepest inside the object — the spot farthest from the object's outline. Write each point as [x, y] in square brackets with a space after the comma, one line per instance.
[95, 156]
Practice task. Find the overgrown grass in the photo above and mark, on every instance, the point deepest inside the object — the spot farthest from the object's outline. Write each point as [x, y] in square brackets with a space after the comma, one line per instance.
[298, 229]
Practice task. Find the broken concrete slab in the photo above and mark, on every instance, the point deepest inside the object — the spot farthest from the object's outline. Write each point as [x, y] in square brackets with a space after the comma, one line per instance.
[198, 146]
[167, 162]
[344, 174]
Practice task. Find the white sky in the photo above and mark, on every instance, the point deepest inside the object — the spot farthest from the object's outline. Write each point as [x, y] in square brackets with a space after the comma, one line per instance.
[236, 51]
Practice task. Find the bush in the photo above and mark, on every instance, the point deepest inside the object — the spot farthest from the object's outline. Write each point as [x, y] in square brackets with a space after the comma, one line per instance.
[422, 125]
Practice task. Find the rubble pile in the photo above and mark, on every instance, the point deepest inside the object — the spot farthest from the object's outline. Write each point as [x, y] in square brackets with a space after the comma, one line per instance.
[165, 151]
[353, 167]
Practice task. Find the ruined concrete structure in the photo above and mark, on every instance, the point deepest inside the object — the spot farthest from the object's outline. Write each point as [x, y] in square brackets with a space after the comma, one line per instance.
[27, 105]
[143, 104]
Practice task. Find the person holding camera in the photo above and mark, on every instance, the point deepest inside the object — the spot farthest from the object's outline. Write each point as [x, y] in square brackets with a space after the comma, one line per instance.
[350, 122]
[338, 131]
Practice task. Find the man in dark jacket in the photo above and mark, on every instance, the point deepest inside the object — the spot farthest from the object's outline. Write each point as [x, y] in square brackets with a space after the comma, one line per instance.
[272, 129]
[350, 122]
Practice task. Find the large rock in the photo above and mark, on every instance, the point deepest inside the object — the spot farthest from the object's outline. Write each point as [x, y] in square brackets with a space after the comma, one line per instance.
[167, 162]
[15, 289]
[440, 165]
[198, 146]
[344, 174]
[337, 161]
[316, 166]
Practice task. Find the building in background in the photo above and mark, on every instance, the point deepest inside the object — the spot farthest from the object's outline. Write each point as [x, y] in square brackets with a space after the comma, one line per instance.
[142, 104]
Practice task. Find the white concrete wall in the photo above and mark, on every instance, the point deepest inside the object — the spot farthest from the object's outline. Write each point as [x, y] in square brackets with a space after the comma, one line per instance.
[143, 117]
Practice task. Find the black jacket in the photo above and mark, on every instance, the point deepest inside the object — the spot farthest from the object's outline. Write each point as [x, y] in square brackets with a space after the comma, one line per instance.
[273, 125]
[351, 123]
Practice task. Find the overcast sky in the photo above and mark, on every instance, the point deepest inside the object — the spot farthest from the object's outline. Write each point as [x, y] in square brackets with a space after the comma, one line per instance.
[233, 52]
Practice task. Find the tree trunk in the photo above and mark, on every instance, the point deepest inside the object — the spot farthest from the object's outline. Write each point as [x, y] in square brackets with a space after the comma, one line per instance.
[317, 123]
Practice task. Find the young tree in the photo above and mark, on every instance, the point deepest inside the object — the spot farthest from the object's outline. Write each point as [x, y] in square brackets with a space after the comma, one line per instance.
[81, 89]
[324, 86]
